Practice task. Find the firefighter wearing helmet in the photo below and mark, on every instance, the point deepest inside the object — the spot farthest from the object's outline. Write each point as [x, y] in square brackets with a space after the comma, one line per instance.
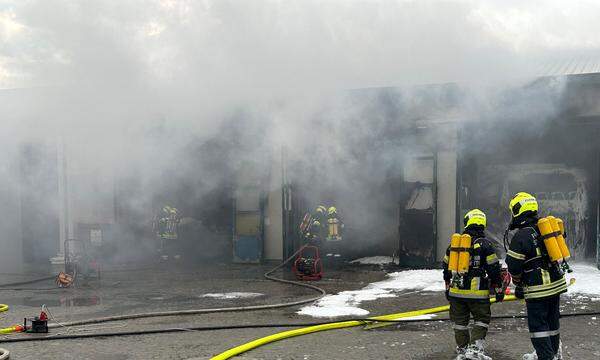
[320, 214]
[537, 279]
[166, 225]
[315, 232]
[468, 288]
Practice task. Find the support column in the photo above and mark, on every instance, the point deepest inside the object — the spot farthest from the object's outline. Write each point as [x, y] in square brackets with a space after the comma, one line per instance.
[446, 199]
[274, 213]
[446, 140]
[65, 226]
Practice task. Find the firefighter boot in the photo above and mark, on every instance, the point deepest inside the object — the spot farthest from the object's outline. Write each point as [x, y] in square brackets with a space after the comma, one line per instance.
[559, 354]
[533, 356]
[460, 353]
[476, 351]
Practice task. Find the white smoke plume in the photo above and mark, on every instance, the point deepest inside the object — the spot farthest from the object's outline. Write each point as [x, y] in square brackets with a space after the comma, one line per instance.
[139, 88]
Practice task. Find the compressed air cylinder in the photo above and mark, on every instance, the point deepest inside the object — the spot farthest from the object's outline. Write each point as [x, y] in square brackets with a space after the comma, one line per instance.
[333, 225]
[465, 256]
[559, 226]
[545, 226]
[453, 261]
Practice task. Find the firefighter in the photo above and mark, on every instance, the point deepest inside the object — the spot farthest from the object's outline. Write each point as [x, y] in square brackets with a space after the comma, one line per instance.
[318, 226]
[334, 225]
[536, 279]
[314, 234]
[320, 214]
[469, 293]
[166, 228]
[333, 231]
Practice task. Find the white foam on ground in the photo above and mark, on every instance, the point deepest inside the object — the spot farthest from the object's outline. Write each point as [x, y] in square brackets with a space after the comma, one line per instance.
[418, 317]
[346, 303]
[373, 260]
[232, 295]
[587, 280]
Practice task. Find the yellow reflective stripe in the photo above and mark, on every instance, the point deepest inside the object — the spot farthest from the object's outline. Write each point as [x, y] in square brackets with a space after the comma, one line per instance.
[490, 259]
[469, 291]
[475, 284]
[476, 246]
[543, 287]
[446, 259]
[515, 255]
[541, 294]
[545, 277]
[538, 252]
[469, 294]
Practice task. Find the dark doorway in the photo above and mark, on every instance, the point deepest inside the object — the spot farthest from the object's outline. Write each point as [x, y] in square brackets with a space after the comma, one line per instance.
[39, 202]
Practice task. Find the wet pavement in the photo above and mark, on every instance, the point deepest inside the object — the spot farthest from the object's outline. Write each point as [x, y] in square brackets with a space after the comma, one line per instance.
[126, 292]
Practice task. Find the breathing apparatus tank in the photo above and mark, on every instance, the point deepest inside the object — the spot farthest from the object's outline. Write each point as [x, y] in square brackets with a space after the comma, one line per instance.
[560, 238]
[333, 227]
[464, 256]
[552, 231]
[460, 257]
[453, 260]
[549, 238]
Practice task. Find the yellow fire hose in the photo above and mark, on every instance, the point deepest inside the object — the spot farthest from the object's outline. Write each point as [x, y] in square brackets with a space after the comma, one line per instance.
[4, 354]
[331, 326]
[10, 329]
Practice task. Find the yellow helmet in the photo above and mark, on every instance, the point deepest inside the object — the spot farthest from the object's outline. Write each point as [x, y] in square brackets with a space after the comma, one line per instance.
[475, 217]
[521, 203]
[332, 210]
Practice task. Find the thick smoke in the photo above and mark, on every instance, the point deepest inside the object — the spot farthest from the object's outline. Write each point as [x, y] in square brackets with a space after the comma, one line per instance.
[165, 101]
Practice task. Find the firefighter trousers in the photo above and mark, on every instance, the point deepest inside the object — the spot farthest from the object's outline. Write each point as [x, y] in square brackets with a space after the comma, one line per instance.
[460, 314]
[544, 326]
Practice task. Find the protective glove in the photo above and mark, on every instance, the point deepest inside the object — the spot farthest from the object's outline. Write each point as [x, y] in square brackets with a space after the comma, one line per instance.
[519, 293]
[498, 291]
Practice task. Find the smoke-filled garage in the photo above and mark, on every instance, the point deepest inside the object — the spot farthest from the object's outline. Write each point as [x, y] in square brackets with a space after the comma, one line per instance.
[555, 158]
[225, 179]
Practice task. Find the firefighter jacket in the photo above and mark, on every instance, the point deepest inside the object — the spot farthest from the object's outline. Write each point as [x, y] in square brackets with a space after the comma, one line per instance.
[484, 270]
[166, 224]
[315, 232]
[530, 266]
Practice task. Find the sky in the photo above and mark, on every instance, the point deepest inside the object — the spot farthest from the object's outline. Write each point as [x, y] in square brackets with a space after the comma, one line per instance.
[289, 43]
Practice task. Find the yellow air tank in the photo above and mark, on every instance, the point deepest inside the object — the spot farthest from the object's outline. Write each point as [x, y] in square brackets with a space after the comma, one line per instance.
[546, 229]
[333, 227]
[453, 261]
[465, 256]
[560, 239]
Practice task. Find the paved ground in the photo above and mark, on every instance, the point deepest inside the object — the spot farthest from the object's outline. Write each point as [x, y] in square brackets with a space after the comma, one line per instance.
[155, 290]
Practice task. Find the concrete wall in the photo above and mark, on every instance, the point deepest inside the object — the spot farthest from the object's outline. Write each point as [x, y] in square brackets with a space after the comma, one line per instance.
[273, 245]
